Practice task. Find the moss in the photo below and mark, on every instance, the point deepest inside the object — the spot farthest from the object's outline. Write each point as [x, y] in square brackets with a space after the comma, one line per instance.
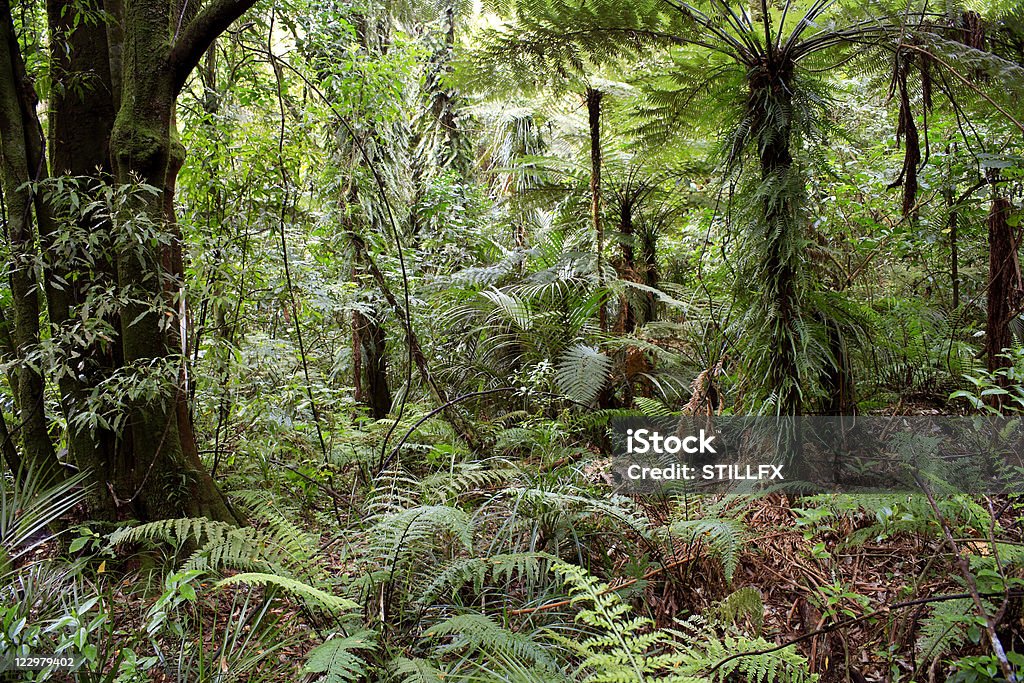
[139, 149]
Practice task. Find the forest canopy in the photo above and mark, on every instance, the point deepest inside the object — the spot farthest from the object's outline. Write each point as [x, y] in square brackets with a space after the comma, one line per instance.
[320, 323]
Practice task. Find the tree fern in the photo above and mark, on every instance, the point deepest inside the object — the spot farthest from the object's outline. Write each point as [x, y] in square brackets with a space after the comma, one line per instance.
[582, 371]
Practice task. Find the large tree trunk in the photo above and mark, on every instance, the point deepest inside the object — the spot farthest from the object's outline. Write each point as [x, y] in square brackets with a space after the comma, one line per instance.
[159, 474]
[17, 108]
[133, 66]
[80, 123]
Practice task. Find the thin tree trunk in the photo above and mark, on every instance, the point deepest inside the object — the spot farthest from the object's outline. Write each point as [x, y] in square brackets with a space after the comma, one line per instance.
[369, 355]
[462, 426]
[593, 99]
[370, 365]
[651, 277]
[907, 129]
[953, 220]
[627, 316]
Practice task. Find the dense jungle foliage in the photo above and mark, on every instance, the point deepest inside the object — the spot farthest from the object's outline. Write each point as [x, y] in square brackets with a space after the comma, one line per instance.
[315, 318]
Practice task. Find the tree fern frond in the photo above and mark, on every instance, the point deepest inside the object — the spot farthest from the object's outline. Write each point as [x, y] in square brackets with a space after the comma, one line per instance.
[582, 372]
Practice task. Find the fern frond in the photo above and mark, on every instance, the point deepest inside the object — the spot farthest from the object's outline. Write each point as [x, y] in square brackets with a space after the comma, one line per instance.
[722, 537]
[335, 659]
[475, 632]
[313, 596]
[582, 372]
[945, 627]
[622, 647]
[528, 567]
[742, 606]
[414, 670]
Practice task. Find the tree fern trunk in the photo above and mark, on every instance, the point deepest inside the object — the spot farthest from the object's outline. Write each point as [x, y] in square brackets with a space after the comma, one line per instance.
[1004, 284]
[369, 365]
[593, 99]
[780, 235]
[627, 316]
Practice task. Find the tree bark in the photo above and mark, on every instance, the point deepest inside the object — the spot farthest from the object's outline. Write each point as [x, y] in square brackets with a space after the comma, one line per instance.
[15, 175]
[81, 119]
[369, 367]
[1004, 285]
[593, 100]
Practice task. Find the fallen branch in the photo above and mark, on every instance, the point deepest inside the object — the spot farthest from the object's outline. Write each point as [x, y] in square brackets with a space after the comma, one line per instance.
[844, 623]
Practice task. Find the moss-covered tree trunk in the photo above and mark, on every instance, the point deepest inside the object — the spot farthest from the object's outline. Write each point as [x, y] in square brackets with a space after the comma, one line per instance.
[81, 118]
[158, 473]
[17, 113]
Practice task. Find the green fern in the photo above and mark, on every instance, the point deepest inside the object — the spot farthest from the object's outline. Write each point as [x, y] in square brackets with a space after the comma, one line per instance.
[582, 372]
[313, 597]
[475, 634]
[414, 670]
[742, 606]
[280, 547]
[502, 568]
[781, 666]
[335, 659]
[623, 647]
[945, 628]
[723, 538]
